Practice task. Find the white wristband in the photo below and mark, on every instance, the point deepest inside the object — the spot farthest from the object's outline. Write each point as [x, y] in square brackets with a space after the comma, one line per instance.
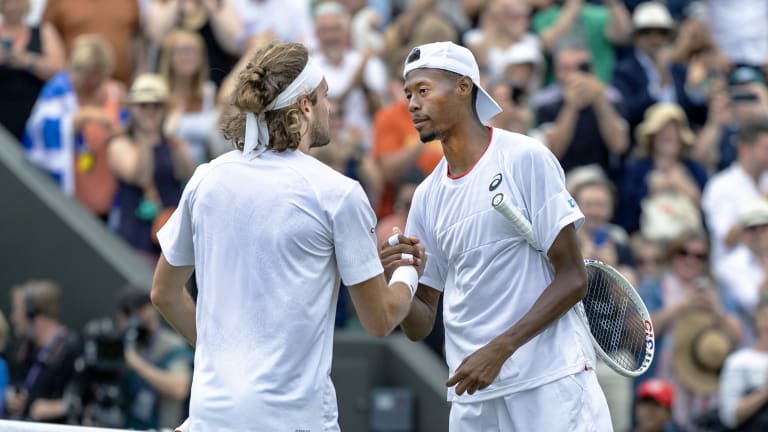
[407, 275]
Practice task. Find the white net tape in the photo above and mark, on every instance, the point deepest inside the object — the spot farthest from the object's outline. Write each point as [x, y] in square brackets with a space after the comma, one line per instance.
[17, 426]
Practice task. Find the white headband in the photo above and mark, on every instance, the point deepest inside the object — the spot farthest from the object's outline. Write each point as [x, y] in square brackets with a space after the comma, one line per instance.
[256, 131]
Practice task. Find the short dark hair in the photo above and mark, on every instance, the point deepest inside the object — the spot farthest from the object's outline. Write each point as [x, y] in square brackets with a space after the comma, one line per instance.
[133, 298]
[751, 130]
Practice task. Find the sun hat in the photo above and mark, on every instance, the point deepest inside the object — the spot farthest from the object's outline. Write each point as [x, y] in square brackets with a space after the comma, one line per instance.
[147, 88]
[754, 214]
[652, 15]
[656, 116]
[457, 59]
[700, 349]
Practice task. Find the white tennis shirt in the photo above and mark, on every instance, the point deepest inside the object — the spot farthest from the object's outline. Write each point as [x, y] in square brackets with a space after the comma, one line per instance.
[269, 239]
[489, 275]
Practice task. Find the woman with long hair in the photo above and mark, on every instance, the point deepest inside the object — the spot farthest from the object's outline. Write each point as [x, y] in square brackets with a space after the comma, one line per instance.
[661, 166]
[192, 98]
[216, 21]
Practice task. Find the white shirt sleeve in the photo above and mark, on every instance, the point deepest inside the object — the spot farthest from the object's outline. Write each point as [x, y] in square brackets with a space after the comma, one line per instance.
[354, 238]
[541, 182]
[375, 75]
[176, 236]
[733, 384]
[720, 217]
[435, 269]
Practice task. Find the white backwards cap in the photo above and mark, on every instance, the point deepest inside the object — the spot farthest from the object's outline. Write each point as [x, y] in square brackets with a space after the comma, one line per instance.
[457, 59]
[256, 131]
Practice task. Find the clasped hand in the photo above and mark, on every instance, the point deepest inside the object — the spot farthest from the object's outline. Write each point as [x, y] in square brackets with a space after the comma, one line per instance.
[393, 257]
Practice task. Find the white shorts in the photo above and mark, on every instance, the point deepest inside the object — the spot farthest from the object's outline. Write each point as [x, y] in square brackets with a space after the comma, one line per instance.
[574, 403]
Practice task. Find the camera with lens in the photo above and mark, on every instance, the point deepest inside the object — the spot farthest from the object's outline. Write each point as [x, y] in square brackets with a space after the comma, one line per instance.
[97, 397]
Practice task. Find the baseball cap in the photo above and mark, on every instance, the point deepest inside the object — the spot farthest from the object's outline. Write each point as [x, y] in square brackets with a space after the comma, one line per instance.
[658, 390]
[457, 59]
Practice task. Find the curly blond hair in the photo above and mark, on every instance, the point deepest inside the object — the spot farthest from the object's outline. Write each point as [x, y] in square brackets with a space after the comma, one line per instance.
[271, 70]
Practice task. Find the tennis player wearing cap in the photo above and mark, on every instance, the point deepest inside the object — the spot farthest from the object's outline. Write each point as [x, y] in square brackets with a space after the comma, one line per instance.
[516, 354]
[270, 231]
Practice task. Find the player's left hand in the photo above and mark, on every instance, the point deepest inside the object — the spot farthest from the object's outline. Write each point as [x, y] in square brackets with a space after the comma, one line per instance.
[479, 370]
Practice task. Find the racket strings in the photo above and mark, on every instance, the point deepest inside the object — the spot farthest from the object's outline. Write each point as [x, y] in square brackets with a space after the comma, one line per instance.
[615, 322]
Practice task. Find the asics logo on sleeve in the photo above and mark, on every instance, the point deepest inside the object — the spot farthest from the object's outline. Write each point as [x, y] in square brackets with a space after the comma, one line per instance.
[571, 202]
[495, 182]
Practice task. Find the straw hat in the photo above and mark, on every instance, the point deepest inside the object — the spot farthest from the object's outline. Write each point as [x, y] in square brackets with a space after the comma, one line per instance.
[658, 115]
[147, 88]
[699, 352]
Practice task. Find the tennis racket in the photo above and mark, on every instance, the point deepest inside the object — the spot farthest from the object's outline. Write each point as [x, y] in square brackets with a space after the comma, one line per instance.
[618, 321]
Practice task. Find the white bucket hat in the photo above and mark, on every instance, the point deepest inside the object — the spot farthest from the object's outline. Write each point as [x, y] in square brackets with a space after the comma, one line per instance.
[652, 14]
[457, 59]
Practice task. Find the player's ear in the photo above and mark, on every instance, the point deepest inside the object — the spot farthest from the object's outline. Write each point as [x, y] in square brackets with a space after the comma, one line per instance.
[464, 86]
[305, 105]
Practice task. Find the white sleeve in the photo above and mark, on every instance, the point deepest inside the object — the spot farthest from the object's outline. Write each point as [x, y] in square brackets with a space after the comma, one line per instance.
[176, 236]
[375, 75]
[550, 206]
[435, 270]
[732, 387]
[354, 238]
[719, 216]
[738, 280]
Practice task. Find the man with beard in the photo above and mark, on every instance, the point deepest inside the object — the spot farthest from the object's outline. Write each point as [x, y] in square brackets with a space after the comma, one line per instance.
[270, 231]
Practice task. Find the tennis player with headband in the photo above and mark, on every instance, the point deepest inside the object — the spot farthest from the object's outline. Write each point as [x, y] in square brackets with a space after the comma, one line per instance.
[518, 357]
[270, 231]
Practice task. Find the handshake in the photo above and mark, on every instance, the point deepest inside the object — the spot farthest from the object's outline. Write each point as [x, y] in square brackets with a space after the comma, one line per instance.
[403, 259]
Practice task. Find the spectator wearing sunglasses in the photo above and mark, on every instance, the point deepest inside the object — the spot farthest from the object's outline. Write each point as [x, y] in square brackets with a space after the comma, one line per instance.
[686, 284]
[150, 167]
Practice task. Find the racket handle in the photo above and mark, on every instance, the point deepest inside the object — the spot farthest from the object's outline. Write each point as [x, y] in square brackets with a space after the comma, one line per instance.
[513, 215]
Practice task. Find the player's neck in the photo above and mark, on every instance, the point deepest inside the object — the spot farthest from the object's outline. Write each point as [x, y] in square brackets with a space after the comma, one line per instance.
[464, 146]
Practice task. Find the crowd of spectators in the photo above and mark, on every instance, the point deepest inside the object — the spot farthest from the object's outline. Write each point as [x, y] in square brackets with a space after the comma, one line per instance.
[657, 111]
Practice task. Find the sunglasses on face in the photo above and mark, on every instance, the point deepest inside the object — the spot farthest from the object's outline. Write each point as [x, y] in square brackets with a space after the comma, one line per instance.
[149, 105]
[642, 261]
[701, 256]
[654, 31]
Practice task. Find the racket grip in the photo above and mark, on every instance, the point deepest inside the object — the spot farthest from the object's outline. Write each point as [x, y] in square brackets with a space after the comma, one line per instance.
[513, 215]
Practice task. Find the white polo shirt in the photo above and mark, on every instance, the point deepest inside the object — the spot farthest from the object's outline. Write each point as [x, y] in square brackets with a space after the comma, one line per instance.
[269, 239]
[724, 197]
[489, 275]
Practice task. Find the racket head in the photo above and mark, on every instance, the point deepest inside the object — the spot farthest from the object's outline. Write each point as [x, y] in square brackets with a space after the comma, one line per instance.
[618, 321]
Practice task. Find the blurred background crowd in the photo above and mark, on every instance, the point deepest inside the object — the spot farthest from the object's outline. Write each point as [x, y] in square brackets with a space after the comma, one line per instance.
[657, 111]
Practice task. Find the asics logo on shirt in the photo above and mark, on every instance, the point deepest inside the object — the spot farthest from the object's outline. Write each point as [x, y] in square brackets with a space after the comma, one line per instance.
[495, 182]
[571, 202]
